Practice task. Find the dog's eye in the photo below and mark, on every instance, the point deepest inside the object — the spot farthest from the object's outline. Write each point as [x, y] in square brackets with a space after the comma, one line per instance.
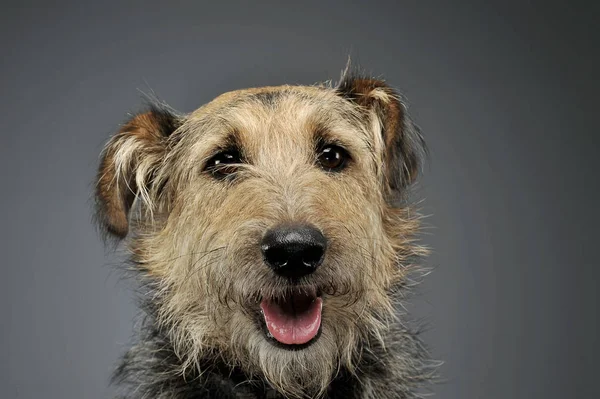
[224, 163]
[333, 158]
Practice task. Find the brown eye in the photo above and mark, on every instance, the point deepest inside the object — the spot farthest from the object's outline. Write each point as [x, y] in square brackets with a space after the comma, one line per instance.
[333, 158]
[223, 164]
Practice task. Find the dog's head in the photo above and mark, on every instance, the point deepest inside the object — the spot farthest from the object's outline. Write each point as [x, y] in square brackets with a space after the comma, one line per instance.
[271, 223]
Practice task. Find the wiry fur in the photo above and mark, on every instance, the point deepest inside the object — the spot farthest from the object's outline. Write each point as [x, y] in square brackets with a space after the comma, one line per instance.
[195, 242]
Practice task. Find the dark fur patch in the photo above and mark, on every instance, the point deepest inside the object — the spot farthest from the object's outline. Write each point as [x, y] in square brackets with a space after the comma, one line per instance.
[268, 98]
[165, 119]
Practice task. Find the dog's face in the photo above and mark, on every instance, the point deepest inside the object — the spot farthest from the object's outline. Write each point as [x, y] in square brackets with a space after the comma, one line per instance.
[269, 223]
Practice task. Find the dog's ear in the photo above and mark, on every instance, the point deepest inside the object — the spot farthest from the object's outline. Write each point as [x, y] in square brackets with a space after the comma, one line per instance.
[129, 164]
[404, 147]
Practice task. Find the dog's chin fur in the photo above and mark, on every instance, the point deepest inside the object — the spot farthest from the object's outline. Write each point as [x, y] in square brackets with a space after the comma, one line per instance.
[389, 362]
[295, 373]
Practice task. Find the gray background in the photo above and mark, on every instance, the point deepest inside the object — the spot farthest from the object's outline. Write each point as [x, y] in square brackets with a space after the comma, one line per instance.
[506, 95]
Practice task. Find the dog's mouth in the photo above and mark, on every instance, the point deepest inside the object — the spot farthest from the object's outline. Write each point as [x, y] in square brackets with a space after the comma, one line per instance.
[294, 319]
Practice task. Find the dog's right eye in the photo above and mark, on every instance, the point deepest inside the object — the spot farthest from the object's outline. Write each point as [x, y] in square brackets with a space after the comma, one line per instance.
[333, 158]
[224, 163]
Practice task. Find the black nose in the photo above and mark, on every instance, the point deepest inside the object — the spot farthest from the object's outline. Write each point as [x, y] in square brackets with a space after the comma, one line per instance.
[293, 251]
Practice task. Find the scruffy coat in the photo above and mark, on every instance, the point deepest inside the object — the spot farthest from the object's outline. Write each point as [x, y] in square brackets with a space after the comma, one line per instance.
[193, 238]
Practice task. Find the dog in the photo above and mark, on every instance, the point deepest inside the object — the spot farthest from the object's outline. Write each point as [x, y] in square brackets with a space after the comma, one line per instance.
[274, 241]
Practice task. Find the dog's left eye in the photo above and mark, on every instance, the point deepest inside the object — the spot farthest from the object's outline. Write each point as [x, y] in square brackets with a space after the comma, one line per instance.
[333, 158]
[223, 164]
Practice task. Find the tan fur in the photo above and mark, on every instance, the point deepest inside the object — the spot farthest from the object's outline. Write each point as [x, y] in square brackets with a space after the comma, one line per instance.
[198, 238]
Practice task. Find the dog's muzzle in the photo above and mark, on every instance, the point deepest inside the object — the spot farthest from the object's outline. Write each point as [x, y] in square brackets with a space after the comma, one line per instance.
[293, 252]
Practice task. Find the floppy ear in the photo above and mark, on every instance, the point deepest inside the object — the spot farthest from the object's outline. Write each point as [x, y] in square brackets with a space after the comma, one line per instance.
[128, 165]
[404, 147]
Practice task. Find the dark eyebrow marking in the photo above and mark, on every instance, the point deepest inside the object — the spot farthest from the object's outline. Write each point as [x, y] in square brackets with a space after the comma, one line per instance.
[321, 134]
[231, 141]
[323, 137]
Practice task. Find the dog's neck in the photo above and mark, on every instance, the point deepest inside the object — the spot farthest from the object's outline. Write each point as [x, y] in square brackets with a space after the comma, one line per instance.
[151, 369]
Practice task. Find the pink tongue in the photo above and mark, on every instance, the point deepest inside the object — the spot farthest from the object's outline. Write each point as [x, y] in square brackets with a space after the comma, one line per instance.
[294, 321]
